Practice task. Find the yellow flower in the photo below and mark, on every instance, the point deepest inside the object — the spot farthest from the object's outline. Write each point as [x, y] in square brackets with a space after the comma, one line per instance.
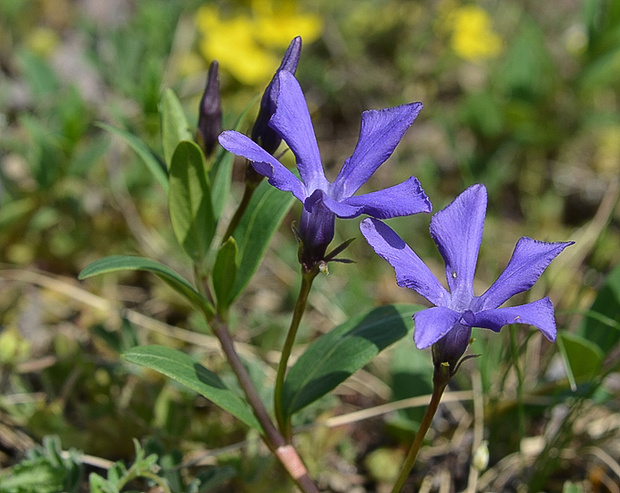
[249, 46]
[472, 36]
[43, 41]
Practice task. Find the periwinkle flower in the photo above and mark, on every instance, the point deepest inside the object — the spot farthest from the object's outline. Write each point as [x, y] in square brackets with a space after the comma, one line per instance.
[210, 112]
[262, 133]
[380, 132]
[457, 231]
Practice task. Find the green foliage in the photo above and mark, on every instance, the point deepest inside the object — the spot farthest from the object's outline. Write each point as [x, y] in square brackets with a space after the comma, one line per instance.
[185, 370]
[601, 326]
[225, 272]
[117, 263]
[335, 356]
[148, 157]
[45, 470]
[262, 218]
[189, 201]
[582, 357]
[174, 126]
[119, 476]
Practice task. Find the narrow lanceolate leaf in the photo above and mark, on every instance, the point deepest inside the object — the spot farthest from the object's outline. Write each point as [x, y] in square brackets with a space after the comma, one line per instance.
[185, 370]
[261, 220]
[155, 165]
[189, 201]
[335, 356]
[225, 272]
[220, 176]
[220, 173]
[174, 126]
[177, 282]
[582, 358]
[602, 323]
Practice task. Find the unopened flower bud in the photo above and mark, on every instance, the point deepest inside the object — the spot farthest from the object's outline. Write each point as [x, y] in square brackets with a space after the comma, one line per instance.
[262, 133]
[480, 459]
[210, 115]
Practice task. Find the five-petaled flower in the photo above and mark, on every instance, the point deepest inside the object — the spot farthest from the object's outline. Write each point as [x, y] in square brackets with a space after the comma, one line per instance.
[380, 133]
[457, 231]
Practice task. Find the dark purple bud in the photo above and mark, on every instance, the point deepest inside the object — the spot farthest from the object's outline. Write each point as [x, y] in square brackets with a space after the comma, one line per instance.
[449, 349]
[262, 133]
[210, 116]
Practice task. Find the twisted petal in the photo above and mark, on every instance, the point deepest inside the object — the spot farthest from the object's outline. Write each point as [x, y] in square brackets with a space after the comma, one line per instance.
[529, 260]
[432, 324]
[262, 133]
[538, 313]
[403, 199]
[380, 133]
[263, 162]
[457, 231]
[292, 121]
[410, 271]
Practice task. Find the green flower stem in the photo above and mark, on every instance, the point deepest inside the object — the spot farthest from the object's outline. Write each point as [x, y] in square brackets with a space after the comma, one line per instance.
[284, 423]
[286, 453]
[440, 381]
[250, 188]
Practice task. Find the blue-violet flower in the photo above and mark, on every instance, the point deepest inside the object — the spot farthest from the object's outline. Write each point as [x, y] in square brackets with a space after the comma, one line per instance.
[457, 231]
[262, 133]
[322, 201]
[210, 112]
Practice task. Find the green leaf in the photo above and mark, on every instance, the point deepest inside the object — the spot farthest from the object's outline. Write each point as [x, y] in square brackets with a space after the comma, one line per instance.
[129, 262]
[260, 221]
[220, 173]
[335, 356]
[39, 475]
[582, 358]
[602, 323]
[225, 272]
[189, 201]
[184, 370]
[174, 126]
[152, 161]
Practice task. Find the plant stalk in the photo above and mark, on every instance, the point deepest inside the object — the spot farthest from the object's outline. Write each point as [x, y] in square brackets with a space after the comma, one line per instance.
[440, 381]
[250, 188]
[284, 423]
[285, 452]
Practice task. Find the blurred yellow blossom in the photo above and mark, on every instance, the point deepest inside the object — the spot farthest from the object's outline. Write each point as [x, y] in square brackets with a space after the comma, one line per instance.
[472, 36]
[43, 41]
[249, 46]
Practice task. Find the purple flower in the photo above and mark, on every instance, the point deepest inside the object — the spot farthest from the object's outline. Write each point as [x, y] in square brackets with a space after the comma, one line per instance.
[210, 114]
[262, 133]
[323, 201]
[457, 231]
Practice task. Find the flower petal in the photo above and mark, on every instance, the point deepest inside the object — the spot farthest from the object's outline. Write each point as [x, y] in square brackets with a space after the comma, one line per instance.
[263, 162]
[410, 271]
[380, 133]
[457, 231]
[432, 324]
[262, 133]
[403, 199]
[538, 313]
[529, 260]
[292, 121]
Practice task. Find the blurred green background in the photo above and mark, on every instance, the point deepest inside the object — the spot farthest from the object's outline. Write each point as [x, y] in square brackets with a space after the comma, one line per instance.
[521, 96]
